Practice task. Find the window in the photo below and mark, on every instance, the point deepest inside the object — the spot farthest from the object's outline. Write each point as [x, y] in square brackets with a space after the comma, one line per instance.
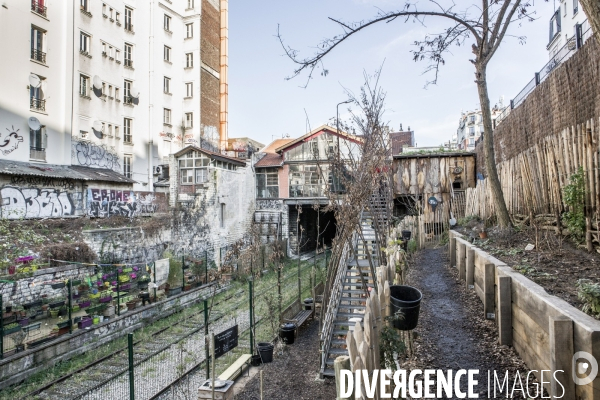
[83, 5]
[189, 89]
[194, 168]
[471, 142]
[127, 92]
[117, 17]
[84, 85]
[555, 25]
[110, 52]
[38, 7]
[267, 183]
[37, 144]
[575, 7]
[565, 9]
[472, 118]
[104, 10]
[118, 56]
[117, 132]
[222, 215]
[167, 85]
[111, 14]
[128, 54]
[127, 165]
[37, 44]
[127, 123]
[84, 43]
[190, 4]
[189, 60]
[104, 52]
[189, 30]
[166, 116]
[103, 90]
[167, 53]
[472, 130]
[189, 120]
[83, 134]
[110, 131]
[167, 22]
[117, 94]
[128, 19]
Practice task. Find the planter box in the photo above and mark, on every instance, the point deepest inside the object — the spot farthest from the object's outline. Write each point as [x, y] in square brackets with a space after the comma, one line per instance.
[126, 286]
[23, 322]
[57, 304]
[33, 304]
[84, 304]
[107, 299]
[12, 330]
[63, 324]
[174, 291]
[76, 296]
[35, 343]
[85, 323]
[58, 285]
[9, 319]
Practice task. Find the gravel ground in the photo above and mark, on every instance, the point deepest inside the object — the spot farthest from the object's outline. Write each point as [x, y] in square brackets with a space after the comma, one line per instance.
[452, 333]
[294, 375]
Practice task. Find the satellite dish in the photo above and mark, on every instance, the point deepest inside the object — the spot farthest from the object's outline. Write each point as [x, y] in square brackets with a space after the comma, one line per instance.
[97, 82]
[34, 80]
[134, 92]
[97, 126]
[34, 123]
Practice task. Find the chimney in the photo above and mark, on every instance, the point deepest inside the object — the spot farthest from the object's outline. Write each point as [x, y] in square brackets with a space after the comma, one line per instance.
[409, 128]
[400, 126]
[224, 85]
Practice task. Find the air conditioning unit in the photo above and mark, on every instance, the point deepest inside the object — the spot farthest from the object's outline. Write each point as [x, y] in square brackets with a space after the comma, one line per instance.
[158, 170]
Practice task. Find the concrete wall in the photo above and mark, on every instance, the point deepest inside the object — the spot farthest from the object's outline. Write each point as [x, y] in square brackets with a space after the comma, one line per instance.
[22, 365]
[544, 330]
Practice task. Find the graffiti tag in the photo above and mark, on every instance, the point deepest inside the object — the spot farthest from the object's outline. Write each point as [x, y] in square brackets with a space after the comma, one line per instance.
[11, 143]
[34, 203]
[106, 203]
[93, 155]
[42, 181]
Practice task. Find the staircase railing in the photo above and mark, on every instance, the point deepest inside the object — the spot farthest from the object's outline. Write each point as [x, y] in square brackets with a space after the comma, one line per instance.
[333, 303]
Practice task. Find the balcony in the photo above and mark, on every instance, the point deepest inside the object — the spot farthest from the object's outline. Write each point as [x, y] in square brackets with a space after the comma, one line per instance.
[128, 63]
[38, 56]
[37, 153]
[38, 8]
[37, 104]
[128, 100]
[129, 27]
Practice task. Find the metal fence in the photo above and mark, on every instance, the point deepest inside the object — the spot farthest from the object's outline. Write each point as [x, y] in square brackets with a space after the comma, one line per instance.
[583, 33]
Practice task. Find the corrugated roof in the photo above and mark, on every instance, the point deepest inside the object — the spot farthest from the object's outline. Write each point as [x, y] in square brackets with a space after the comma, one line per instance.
[61, 171]
[270, 160]
[211, 154]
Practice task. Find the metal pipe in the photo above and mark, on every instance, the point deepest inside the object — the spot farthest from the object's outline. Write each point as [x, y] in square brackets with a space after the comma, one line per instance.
[131, 375]
[1, 328]
[207, 355]
[69, 302]
[251, 317]
[223, 70]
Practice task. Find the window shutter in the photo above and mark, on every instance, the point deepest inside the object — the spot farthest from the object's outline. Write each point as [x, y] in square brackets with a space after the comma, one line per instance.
[44, 137]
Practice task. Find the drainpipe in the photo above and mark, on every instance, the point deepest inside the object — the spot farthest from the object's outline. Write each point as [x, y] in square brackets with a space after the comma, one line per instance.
[224, 85]
[150, 95]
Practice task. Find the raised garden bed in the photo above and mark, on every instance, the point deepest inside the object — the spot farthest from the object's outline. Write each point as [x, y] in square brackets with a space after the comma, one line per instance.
[12, 329]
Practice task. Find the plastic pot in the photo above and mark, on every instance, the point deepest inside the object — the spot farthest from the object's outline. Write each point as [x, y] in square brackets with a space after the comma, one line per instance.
[265, 350]
[407, 300]
[406, 235]
[308, 303]
[287, 332]
[255, 361]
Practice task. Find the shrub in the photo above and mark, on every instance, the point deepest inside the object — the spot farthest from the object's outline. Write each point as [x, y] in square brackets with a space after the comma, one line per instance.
[589, 293]
[574, 198]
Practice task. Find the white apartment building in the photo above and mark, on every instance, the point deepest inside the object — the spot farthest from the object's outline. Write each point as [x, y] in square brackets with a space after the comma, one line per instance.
[470, 129]
[563, 24]
[112, 84]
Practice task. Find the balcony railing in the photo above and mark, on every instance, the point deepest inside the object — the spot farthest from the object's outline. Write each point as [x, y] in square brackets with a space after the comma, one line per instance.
[37, 153]
[38, 8]
[37, 104]
[128, 63]
[128, 27]
[38, 55]
[128, 100]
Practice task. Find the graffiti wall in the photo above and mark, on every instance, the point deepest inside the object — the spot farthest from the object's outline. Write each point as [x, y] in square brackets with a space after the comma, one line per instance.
[16, 202]
[104, 203]
[10, 142]
[89, 154]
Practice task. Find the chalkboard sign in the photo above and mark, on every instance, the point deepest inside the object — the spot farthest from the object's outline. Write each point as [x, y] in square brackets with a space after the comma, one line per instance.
[226, 341]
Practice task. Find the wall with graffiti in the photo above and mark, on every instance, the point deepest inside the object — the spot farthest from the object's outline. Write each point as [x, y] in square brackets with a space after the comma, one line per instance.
[102, 203]
[94, 155]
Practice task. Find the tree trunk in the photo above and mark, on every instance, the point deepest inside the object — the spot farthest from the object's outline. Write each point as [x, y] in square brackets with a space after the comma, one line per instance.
[488, 144]
[592, 11]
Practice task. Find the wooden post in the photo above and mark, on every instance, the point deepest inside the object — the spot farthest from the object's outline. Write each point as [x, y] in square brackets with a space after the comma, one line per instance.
[261, 384]
[489, 300]
[470, 268]
[460, 260]
[452, 244]
[588, 234]
[212, 355]
[341, 363]
[504, 310]
[358, 365]
[351, 346]
[386, 304]
[561, 355]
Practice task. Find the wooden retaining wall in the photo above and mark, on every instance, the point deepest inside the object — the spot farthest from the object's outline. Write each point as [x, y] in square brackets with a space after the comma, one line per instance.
[544, 330]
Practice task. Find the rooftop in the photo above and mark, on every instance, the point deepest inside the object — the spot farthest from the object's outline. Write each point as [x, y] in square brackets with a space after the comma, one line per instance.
[62, 171]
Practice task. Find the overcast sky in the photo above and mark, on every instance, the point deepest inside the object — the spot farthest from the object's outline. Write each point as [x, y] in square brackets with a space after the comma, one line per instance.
[264, 105]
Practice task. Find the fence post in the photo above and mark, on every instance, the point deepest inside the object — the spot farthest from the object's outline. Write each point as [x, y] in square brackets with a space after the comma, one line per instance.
[69, 304]
[182, 273]
[537, 78]
[153, 265]
[279, 289]
[504, 311]
[206, 267]
[131, 375]
[206, 349]
[119, 292]
[251, 316]
[1, 328]
[512, 104]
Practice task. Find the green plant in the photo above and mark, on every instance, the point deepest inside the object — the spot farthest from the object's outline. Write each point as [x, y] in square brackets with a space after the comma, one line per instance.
[589, 293]
[574, 198]
[412, 246]
[390, 346]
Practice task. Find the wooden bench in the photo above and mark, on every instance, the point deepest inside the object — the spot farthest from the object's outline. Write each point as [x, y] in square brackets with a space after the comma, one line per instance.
[294, 313]
[31, 328]
[236, 369]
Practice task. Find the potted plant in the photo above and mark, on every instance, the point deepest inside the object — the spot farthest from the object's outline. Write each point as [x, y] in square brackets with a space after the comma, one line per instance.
[54, 313]
[9, 306]
[131, 305]
[57, 304]
[23, 321]
[11, 328]
[483, 233]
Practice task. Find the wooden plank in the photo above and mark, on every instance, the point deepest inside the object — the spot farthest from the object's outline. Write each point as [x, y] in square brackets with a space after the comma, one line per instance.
[504, 311]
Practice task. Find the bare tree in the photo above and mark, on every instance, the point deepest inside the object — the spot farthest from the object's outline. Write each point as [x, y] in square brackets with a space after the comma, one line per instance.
[485, 24]
[592, 11]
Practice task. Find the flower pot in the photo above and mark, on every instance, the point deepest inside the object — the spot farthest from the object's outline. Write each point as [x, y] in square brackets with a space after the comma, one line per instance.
[265, 350]
[12, 330]
[96, 321]
[131, 305]
[85, 322]
[308, 303]
[287, 333]
[405, 300]
[84, 304]
[63, 324]
[8, 309]
[483, 235]
[106, 299]
[57, 304]
[23, 322]
[45, 307]
[174, 291]
[54, 313]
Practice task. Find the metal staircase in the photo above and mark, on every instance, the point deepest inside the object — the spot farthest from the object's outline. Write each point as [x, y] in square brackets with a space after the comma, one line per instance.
[347, 301]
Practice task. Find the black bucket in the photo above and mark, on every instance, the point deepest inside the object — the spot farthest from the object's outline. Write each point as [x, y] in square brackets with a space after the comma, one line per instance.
[308, 303]
[407, 300]
[406, 235]
[255, 361]
[266, 352]
[287, 333]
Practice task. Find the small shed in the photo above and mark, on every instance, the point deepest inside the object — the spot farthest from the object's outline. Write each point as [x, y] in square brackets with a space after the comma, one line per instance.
[433, 184]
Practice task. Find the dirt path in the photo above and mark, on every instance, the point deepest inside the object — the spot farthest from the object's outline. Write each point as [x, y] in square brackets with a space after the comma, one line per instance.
[452, 333]
[293, 375]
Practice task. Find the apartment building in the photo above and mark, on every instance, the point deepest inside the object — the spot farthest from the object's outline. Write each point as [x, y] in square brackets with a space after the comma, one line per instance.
[113, 84]
[563, 24]
[470, 128]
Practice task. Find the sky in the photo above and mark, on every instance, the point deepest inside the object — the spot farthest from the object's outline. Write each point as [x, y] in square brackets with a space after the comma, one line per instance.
[264, 105]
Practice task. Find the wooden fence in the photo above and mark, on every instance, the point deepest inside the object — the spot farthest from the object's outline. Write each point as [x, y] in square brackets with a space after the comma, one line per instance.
[533, 180]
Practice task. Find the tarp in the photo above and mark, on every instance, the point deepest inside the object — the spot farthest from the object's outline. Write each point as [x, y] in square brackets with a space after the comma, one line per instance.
[162, 271]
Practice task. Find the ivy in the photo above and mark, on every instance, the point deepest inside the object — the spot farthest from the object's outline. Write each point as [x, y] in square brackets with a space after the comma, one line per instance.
[574, 198]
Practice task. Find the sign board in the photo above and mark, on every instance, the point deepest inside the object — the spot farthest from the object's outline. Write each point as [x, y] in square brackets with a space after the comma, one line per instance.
[226, 341]
[162, 271]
